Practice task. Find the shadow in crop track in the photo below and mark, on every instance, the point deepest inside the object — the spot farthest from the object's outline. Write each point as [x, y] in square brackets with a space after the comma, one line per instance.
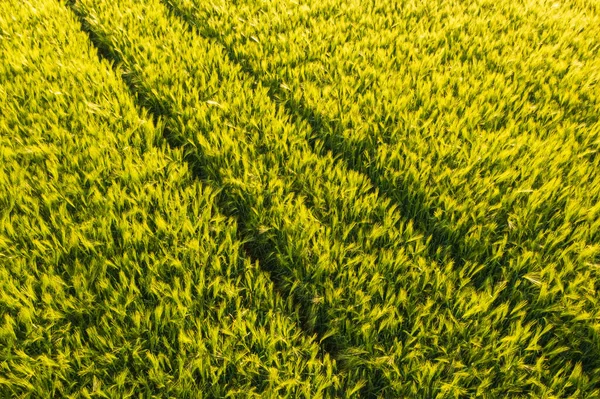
[161, 111]
[444, 245]
[412, 203]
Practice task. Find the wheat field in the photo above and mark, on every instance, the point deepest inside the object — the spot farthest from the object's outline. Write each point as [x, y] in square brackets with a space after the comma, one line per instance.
[299, 199]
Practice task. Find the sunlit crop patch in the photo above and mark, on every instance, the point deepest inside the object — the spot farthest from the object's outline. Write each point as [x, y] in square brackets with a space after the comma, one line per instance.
[299, 198]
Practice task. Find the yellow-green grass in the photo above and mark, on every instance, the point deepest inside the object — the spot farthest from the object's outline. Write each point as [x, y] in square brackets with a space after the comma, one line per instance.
[118, 275]
[479, 119]
[324, 199]
[210, 103]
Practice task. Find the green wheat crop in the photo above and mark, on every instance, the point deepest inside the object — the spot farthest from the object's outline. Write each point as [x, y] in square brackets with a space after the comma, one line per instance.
[313, 198]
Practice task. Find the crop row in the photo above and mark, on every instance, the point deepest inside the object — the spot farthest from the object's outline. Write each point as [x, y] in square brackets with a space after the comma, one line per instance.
[400, 323]
[234, 136]
[118, 275]
[479, 120]
[369, 90]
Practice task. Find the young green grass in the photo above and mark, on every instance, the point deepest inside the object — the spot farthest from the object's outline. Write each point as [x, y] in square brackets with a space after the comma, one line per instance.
[118, 275]
[402, 326]
[529, 181]
[319, 129]
[479, 119]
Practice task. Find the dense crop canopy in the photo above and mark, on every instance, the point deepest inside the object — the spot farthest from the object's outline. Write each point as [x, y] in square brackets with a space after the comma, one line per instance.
[118, 276]
[316, 198]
